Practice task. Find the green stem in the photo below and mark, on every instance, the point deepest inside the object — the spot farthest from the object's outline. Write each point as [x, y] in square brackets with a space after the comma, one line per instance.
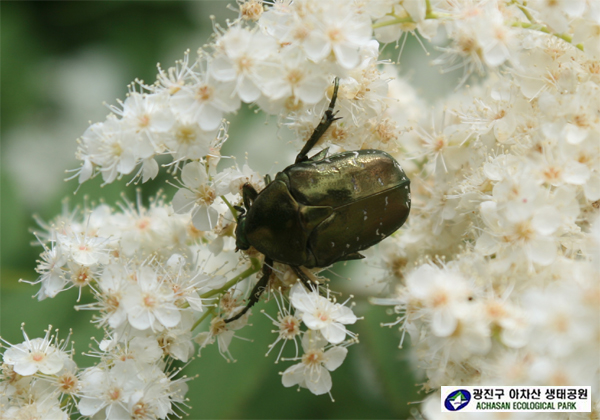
[231, 209]
[246, 273]
[523, 9]
[537, 27]
[407, 19]
[202, 318]
[396, 21]
[254, 268]
[427, 7]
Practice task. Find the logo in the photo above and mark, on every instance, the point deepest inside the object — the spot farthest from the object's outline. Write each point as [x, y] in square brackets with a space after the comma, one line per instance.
[457, 400]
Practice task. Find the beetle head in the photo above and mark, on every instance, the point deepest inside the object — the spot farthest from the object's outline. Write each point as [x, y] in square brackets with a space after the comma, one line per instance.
[241, 242]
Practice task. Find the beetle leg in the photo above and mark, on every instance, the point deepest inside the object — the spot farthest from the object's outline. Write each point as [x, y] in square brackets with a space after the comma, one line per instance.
[257, 291]
[326, 120]
[306, 281]
[249, 194]
[353, 256]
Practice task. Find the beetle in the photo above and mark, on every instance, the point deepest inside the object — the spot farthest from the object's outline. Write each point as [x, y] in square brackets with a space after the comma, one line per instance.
[321, 210]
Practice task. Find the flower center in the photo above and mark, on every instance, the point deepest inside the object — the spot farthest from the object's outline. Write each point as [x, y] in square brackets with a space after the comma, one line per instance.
[204, 93]
[38, 356]
[114, 394]
[67, 383]
[142, 224]
[185, 135]
[140, 411]
[205, 195]
[335, 35]
[244, 64]
[149, 301]
[289, 327]
[294, 76]
[81, 277]
[251, 10]
[313, 358]
[440, 298]
[217, 326]
[144, 121]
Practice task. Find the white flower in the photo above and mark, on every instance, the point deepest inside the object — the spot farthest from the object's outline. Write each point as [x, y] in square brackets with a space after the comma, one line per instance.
[313, 371]
[339, 30]
[244, 55]
[85, 249]
[52, 277]
[221, 332]
[112, 284]
[293, 76]
[197, 197]
[48, 409]
[321, 314]
[288, 326]
[232, 180]
[150, 300]
[189, 141]
[177, 341]
[441, 293]
[109, 146]
[111, 389]
[35, 355]
[205, 100]
[149, 117]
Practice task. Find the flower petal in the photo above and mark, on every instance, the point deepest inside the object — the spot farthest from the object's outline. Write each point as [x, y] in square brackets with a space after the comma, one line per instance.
[335, 357]
[205, 218]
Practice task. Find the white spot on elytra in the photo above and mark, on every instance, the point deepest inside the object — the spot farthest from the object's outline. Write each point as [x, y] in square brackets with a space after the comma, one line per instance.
[357, 238]
[333, 244]
[347, 245]
[380, 181]
[365, 213]
[386, 200]
[377, 232]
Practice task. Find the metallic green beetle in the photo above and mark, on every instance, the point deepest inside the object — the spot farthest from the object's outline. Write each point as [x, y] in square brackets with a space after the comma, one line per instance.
[322, 210]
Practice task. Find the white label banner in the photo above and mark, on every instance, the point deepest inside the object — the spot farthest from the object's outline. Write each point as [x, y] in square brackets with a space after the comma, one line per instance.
[550, 399]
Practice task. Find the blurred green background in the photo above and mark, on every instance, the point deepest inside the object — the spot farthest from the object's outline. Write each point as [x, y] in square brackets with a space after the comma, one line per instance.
[60, 62]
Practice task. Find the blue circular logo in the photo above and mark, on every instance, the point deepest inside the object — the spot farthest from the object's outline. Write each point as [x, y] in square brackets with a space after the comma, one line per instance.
[457, 400]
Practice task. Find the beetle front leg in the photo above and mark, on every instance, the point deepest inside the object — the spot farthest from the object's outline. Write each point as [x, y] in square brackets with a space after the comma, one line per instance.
[249, 194]
[257, 291]
[306, 281]
[326, 120]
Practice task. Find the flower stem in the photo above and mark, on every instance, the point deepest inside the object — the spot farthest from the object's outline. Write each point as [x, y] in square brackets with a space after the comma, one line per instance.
[537, 27]
[407, 19]
[231, 208]
[523, 9]
[396, 21]
[202, 318]
[254, 268]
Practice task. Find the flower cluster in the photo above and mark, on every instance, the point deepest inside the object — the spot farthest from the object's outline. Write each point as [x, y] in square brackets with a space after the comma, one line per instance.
[495, 275]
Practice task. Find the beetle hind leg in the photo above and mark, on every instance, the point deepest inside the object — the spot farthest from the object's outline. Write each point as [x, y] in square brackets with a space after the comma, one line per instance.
[257, 291]
[328, 118]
